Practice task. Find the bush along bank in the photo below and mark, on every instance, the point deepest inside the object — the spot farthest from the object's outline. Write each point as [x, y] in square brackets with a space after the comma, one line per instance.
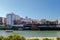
[19, 37]
[12, 37]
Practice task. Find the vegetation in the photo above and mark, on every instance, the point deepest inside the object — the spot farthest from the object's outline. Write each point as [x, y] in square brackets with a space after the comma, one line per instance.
[47, 39]
[12, 37]
[1, 23]
[34, 39]
[57, 38]
[17, 37]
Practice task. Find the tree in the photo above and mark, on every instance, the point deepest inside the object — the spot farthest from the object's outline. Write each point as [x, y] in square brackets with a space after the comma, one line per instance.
[1, 23]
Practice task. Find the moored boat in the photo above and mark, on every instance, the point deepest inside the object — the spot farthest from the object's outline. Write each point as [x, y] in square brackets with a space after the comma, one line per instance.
[9, 30]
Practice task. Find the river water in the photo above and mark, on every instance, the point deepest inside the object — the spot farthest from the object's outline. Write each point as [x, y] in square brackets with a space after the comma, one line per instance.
[32, 33]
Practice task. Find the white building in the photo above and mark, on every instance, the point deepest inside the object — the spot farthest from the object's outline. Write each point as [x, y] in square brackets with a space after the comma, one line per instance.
[10, 19]
[27, 20]
[58, 21]
[43, 21]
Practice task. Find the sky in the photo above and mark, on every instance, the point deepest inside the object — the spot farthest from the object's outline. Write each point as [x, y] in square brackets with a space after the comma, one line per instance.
[35, 9]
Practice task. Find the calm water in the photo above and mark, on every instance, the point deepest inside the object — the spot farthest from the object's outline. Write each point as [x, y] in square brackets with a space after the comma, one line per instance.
[32, 33]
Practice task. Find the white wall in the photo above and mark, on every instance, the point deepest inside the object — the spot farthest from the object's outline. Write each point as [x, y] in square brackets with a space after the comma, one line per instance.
[10, 19]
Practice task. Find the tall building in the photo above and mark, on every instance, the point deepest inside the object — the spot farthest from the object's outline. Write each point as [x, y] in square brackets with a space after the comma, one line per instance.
[10, 18]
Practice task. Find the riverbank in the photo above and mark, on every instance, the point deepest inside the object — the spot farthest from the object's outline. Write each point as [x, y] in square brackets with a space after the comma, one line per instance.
[19, 37]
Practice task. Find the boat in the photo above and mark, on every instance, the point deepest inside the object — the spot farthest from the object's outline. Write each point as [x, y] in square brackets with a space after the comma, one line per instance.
[9, 30]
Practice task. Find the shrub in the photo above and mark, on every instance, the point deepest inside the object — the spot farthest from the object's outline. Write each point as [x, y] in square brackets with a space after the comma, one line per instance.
[15, 37]
[1, 37]
[34, 39]
[57, 38]
[46, 39]
[12, 37]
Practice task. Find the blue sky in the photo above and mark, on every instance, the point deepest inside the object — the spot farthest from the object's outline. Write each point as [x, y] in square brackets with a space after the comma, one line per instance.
[38, 9]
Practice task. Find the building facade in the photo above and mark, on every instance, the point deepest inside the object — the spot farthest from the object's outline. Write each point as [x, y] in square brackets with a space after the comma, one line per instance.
[10, 18]
[2, 20]
[43, 21]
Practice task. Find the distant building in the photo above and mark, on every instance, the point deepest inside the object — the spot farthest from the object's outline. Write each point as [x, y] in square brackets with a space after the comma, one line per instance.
[2, 20]
[27, 20]
[10, 18]
[34, 21]
[17, 17]
[43, 21]
[5, 20]
[58, 21]
[38, 22]
[52, 22]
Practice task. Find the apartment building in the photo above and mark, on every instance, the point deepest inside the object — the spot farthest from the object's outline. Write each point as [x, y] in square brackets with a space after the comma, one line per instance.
[10, 18]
